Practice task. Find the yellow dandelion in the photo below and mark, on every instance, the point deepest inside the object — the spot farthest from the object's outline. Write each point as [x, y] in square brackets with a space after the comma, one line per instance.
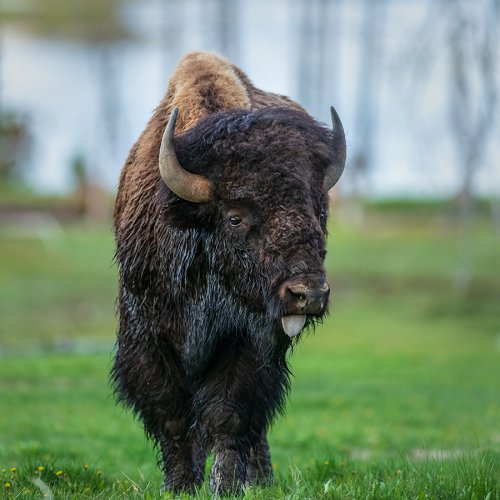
[59, 473]
[85, 466]
[327, 462]
[41, 468]
[7, 485]
[4, 470]
[13, 469]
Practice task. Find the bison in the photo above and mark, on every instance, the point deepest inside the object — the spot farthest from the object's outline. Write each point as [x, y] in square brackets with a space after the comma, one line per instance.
[220, 227]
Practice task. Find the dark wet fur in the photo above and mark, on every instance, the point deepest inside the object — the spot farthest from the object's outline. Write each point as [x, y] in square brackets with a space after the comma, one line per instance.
[200, 357]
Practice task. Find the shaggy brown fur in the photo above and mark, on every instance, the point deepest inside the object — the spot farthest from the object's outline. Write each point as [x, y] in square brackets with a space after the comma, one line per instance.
[201, 351]
[201, 84]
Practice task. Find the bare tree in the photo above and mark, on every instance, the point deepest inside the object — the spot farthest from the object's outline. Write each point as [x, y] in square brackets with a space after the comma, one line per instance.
[471, 33]
[227, 27]
[472, 59]
[464, 34]
[305, 67]
[472, 103]
[368, 84]
[1, 71]
[317, 61]
[14, 137]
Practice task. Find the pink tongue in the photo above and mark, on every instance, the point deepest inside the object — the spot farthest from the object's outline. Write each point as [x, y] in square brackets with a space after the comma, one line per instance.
[293, 324]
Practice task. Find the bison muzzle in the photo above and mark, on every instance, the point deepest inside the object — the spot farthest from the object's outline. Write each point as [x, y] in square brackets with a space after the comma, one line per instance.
[220, 225]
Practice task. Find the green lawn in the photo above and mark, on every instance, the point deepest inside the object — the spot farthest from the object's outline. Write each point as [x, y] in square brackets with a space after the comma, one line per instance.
[397, 395]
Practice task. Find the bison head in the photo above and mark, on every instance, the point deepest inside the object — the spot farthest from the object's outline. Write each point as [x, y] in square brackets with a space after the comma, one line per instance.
[255, 184]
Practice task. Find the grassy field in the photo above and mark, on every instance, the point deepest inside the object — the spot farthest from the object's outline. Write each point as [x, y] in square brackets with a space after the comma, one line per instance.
[397, 395]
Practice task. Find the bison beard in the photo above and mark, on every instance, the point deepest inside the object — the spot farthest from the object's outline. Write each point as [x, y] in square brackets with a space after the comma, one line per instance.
[212, 279]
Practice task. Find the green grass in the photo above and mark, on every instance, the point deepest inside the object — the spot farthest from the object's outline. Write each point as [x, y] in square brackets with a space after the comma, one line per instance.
[59, 284]
[395, 396]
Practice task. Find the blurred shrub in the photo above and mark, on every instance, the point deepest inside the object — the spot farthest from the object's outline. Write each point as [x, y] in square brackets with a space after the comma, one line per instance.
[14, 145]
[91, 20]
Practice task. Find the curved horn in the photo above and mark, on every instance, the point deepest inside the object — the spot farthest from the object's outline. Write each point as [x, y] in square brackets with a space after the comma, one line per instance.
[334, 171]
[186, 185]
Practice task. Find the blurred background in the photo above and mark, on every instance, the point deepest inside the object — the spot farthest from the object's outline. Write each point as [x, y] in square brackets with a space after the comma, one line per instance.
[414, 81]
[415, 231]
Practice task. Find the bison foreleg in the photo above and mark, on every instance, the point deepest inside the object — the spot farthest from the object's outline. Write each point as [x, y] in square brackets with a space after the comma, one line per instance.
[236, 404]
[184, 453]
[228, 472]
[259, 468]
[231, 433]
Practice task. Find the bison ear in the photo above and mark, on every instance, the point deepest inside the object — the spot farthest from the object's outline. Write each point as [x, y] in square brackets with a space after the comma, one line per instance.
[186, 185]
[334, 170]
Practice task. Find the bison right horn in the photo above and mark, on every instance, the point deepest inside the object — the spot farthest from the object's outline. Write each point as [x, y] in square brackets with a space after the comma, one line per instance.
[334, 171]
[186, 185]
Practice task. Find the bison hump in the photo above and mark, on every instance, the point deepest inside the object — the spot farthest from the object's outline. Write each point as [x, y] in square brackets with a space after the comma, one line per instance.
[204, 83]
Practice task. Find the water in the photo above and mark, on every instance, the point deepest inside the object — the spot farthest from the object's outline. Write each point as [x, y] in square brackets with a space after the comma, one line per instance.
[93, 100]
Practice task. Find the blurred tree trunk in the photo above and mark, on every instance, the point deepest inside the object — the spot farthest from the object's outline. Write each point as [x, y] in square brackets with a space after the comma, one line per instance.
[324, 55]
[15, 143]
[305, 66]
[227, 13]
[371, 49]
[109, 95]
[317, 67]
[471, 132]
[1, 73]
[171, 33]
[92, 200]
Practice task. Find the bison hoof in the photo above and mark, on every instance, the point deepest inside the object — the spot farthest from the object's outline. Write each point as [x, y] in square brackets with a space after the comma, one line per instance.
[222, 486]
[227, 476]
[180, 483]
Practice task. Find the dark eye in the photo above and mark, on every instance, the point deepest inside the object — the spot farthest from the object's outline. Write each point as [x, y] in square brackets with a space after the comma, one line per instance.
[235, 220]
[322, 215]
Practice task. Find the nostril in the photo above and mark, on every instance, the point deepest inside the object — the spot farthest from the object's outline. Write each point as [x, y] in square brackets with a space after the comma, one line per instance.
[298, 293]
[298, 290]
[307, 299]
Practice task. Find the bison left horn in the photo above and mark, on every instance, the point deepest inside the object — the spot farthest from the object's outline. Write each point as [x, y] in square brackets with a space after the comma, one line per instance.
[334, 171]
[186, 185]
